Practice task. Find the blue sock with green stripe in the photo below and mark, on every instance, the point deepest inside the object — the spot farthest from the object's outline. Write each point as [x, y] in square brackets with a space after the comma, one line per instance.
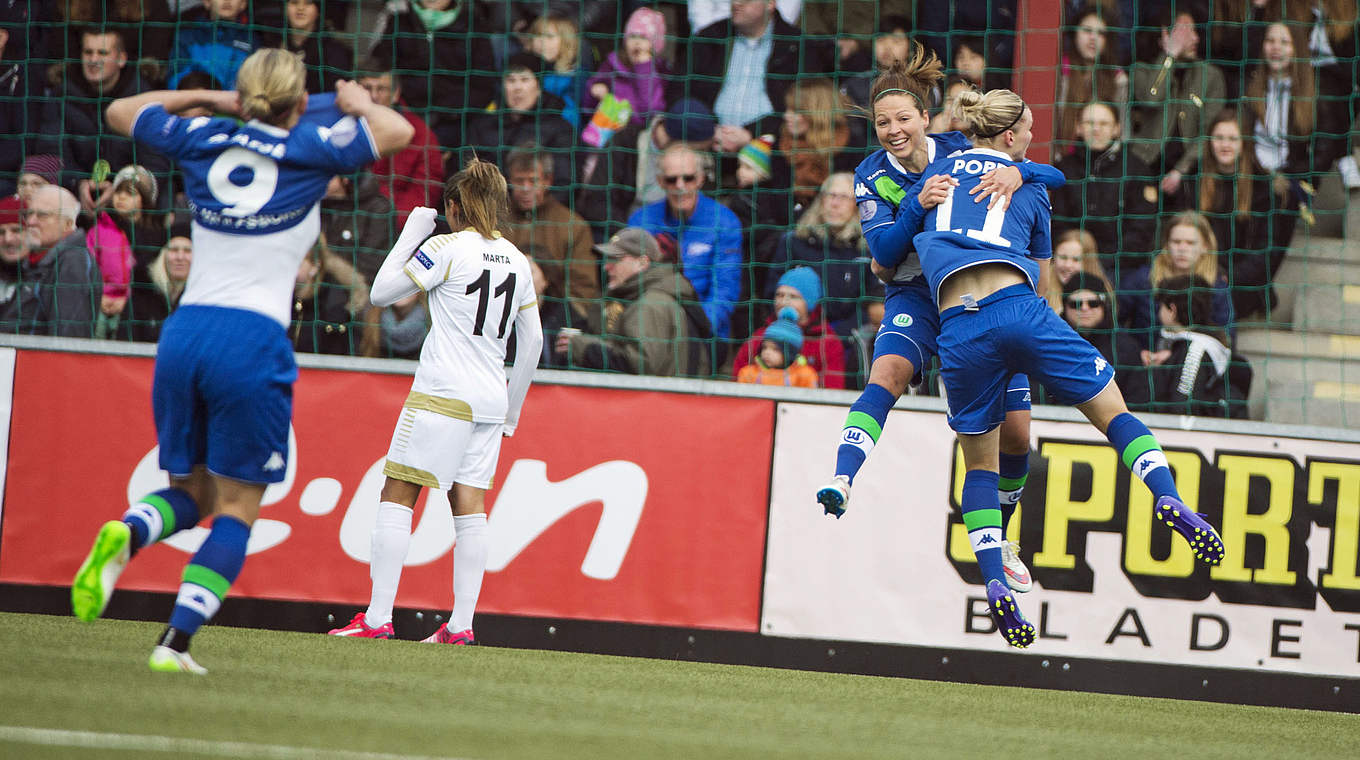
[982, 518]
[862, 428]
[1014, 473]
[209, 574]
[159, 515]
[1141, 453]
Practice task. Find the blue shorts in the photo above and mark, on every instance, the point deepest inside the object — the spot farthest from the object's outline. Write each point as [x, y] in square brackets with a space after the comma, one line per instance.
[911, 325]
[910, 329]
[1013, 331]
[223, 394]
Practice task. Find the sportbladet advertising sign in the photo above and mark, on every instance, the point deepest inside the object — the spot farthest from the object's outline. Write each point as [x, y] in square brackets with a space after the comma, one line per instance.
[1110, 582]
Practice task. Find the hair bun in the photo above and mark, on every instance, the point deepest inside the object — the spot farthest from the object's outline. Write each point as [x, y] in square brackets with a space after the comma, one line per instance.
[968, 98]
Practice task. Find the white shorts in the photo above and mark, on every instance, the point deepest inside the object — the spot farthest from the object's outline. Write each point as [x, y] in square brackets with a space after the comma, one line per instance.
[436, 451]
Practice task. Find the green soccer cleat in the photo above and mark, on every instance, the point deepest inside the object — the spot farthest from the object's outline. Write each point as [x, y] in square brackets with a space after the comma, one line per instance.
[166, 660]
[93, 584]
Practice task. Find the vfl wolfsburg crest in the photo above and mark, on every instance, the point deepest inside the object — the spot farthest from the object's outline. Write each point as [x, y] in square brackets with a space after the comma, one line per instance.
[902, 320]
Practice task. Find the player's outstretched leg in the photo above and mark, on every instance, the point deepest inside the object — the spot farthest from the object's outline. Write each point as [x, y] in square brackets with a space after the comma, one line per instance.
[863, 426]
[982, 518]
[157, 516]
[1141, 453]
[94, 581]
[1009, 621]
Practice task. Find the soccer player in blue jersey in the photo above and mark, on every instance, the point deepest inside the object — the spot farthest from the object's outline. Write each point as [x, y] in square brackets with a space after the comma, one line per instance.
[223, 384]
[984, 267]
[906, 340]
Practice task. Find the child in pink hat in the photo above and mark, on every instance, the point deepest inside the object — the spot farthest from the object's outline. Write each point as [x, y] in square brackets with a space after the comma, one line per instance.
[635, 72]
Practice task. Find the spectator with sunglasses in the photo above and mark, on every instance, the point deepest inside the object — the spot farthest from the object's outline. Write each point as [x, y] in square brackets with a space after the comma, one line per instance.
[708, 234]
[1089, 305]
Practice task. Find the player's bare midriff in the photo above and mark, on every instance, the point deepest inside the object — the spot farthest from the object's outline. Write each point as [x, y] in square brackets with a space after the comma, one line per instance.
[978, 282]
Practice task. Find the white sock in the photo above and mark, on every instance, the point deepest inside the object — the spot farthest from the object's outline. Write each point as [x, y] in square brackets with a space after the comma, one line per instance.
[391, 539]
[469, 565]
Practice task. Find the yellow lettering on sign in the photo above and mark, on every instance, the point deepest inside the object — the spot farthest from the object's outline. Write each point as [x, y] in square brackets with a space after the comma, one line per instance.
[1346, 531]
[1059, 507]
[1273, 526]
[1138, 533]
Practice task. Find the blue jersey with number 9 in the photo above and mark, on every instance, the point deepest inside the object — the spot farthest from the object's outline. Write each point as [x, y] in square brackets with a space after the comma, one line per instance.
[959, 233]
[255, 193]
[254, 178]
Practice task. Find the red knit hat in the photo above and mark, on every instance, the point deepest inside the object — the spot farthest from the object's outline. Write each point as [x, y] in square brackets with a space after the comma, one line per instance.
[11, 210]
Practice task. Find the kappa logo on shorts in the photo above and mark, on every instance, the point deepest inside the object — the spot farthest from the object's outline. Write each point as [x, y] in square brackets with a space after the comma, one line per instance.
[275, 462]
[902, 320]
[1100, 365]
[424, 260]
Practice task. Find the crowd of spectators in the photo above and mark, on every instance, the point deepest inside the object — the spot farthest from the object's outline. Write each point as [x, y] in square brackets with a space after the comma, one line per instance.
[1193, 136]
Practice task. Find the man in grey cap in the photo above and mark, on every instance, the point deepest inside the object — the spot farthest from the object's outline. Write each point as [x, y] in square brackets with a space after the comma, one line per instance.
[652, 323]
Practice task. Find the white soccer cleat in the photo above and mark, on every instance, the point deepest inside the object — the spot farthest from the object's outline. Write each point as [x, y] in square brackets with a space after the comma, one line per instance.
[1017, 575]
[166, 660]
[835, 496]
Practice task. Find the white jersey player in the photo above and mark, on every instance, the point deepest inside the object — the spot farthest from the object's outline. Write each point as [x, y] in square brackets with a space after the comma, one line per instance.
[448, 436]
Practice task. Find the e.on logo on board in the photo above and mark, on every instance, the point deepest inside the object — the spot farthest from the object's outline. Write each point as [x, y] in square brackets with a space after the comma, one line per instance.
[593, 514]
[526, 506]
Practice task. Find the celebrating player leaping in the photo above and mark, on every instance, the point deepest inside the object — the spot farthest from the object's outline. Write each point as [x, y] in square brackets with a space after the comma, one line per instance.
[223, 387]
[983, 267]
[905, 343]
[448, 434]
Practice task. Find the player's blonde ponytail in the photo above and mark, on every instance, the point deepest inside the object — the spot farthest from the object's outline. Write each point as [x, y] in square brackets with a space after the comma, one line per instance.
[988, 114]
[270, 83]
[480, 191]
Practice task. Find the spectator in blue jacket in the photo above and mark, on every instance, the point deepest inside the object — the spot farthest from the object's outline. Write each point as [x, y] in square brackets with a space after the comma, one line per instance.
[707, 234]
[214, 39]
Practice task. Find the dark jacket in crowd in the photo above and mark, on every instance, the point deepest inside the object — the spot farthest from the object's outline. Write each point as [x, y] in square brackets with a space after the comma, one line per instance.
[358, 228]
[653, 325]
[74, 128]
[322, 323]
[59, 295]
[446, 74]
[495, 133]
[844, 270]
[1112, 195]
[327, 58]
[21, 105]
[1190, 381]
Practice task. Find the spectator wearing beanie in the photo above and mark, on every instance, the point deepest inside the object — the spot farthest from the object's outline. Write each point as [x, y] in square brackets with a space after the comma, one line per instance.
[780, 361]
[801, 290]
[754, 161]
[635, 72]
[38, 170]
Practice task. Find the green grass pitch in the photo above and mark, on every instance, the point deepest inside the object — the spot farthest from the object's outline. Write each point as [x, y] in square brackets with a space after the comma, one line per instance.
[69, 689]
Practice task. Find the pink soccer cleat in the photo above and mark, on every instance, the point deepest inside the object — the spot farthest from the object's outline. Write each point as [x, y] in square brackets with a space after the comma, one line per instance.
[442, 635]
[359, 628]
